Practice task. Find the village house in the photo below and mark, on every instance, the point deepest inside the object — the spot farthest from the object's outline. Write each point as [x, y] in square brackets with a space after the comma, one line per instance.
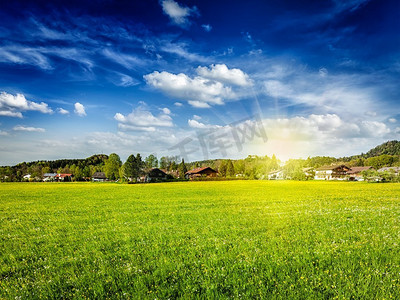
[276, 175]
[99, 177]
[334, 172]
[156, 174]
[49, 177]
[63, 177]
[354, 174]
[201, 172]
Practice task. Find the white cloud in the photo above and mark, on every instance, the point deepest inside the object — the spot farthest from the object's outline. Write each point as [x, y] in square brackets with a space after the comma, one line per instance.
[12, 106]
[199, 125]
[127, 81]
[199, 104]
[10, 114]
[24, 55]
[29, 129]
[196, 117]
[207, 27]
[178, 14]
[3, 133]
[323, 72]
[324, 129]
[213, 86]
[79, 109]
[180, 50]
[62, 111]
[255, 52]
[126, 127]
[221, 73]
[373, 129]
[392, 120]
[397, 130]
[340, 94]
[140, 119]
[192, 89]
[125, 60]
[166, 111]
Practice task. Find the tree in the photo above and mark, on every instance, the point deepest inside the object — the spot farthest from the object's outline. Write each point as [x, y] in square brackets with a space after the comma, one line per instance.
[274, 163]
[230, 170]
[164, 163]
[78, 174]
[182, 169]
[129, 168]
[112, 165]
[222, 168]
[240, 166]
[151, 161]
[133, 167]
[139, 165]
[173, 166]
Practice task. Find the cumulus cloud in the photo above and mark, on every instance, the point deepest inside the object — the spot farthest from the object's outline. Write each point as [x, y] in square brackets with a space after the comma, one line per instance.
[324, 128]
[178, 104]
[79, 109]
[212, 86]
[13, 106]
[192, 89]
[178, 14]
[29, 129]
[199, 125]
[221, 73]
[62, 111]
[392, 120]
[140, 119]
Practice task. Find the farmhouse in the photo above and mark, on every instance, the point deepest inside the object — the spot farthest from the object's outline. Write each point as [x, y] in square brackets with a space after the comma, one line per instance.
[156, 174]
[63, 177]
[49, 176]
[334, 172]
[354, 174]
[276, 175]
[201, 172]
[99, 176]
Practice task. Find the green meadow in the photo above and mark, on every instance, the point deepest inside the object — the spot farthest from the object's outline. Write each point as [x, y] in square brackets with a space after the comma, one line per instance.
[230, 239]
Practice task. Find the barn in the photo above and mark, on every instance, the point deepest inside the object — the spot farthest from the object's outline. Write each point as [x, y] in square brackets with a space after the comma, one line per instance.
[201, 172]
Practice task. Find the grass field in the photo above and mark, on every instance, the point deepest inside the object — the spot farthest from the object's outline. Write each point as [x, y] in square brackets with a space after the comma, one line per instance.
[231, 239]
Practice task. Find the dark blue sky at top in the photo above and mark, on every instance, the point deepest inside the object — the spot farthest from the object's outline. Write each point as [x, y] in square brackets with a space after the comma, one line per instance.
[98, 53]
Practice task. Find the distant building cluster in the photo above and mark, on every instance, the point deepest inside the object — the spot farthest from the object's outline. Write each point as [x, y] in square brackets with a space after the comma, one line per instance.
[339, 172]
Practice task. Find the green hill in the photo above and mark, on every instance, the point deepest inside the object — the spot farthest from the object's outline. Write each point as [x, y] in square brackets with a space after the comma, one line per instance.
[389, 148]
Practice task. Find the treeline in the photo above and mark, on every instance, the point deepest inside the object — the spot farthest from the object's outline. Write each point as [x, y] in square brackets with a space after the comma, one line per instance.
[80, 168]
[251, 167]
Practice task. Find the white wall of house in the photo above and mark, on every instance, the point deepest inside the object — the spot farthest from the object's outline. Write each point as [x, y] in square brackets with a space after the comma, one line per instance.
[323, 175]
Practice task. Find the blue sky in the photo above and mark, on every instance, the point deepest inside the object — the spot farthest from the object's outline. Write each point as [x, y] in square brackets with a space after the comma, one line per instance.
[85, 77]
